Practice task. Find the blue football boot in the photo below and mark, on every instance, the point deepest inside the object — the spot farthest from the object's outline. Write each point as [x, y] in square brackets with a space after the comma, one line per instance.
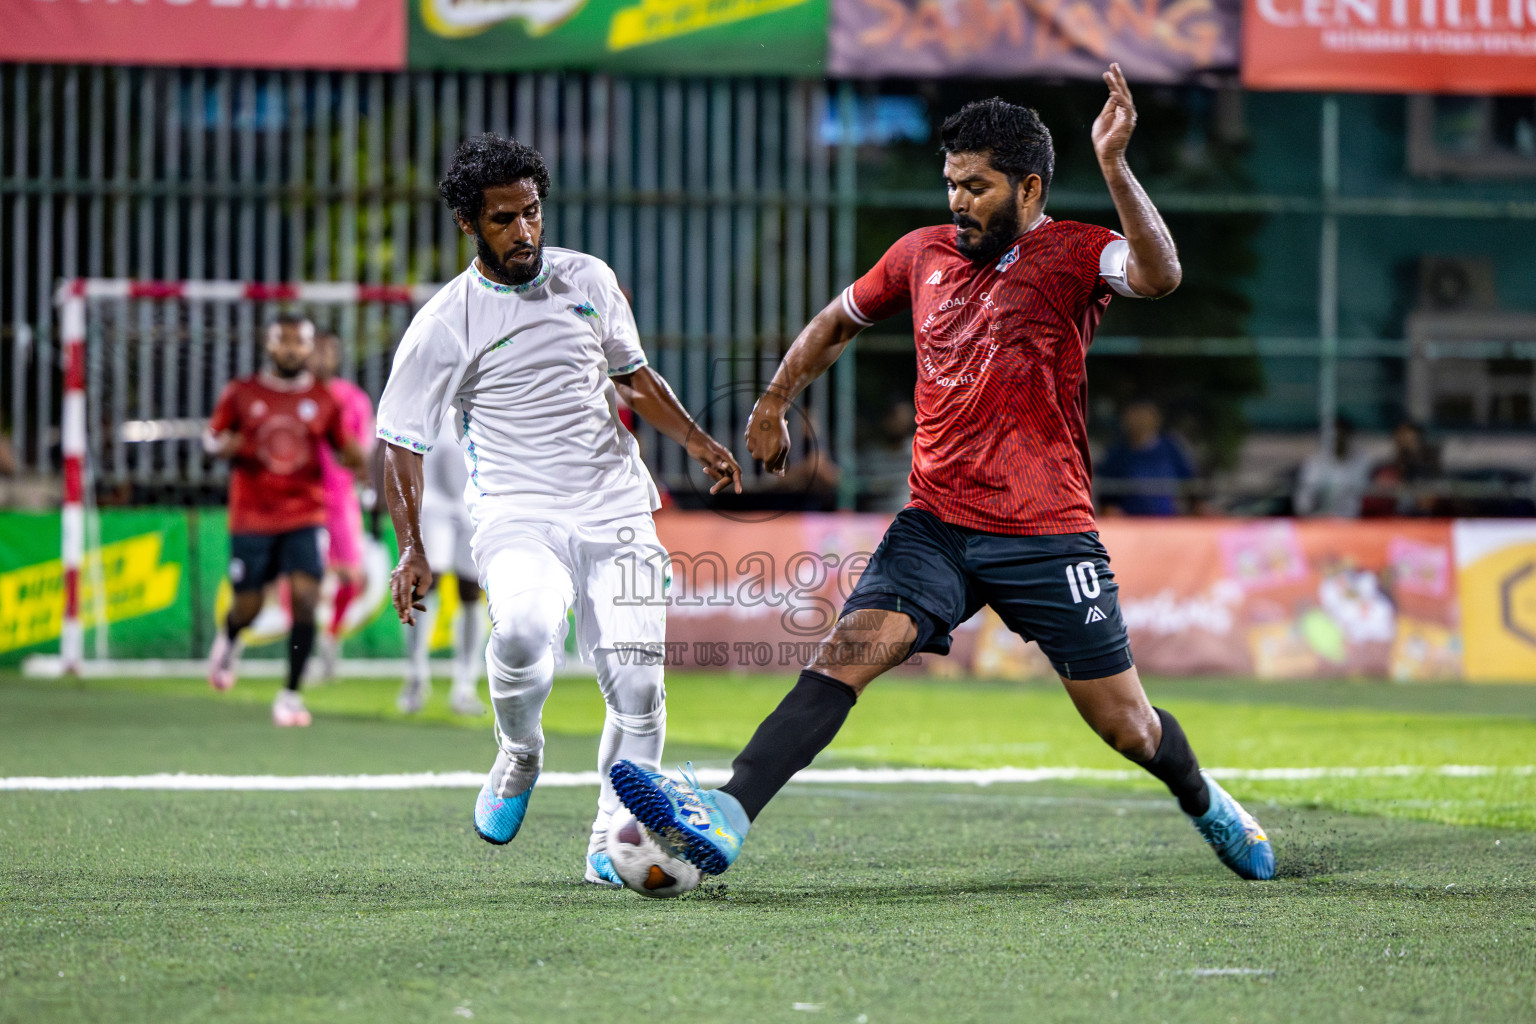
[1236, 835]
[600, 870]
[706, 824]
[497, 817]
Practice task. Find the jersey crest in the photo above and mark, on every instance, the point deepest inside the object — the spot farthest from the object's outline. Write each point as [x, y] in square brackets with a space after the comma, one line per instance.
[1008, 260]
[935, 277]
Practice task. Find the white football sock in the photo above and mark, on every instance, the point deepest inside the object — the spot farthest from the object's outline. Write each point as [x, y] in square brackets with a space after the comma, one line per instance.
[635, 727]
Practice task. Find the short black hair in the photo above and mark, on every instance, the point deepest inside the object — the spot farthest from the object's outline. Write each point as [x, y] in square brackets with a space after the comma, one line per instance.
[1014, 138]
[485, 161]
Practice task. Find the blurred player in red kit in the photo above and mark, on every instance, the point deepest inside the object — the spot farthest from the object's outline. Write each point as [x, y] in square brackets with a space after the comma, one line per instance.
[1004, 302]
[272, 427]
[343, 511]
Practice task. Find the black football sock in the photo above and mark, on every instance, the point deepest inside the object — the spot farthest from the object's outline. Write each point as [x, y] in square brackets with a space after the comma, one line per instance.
[1175, 766]
[230, 629]
[789, 739]
[300, 642]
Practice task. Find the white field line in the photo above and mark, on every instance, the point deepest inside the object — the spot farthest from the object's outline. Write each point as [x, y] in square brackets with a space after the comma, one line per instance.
[716, 776]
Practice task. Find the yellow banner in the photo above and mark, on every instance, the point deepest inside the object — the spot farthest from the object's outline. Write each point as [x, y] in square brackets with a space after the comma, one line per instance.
[1496, 573]
[132, 580]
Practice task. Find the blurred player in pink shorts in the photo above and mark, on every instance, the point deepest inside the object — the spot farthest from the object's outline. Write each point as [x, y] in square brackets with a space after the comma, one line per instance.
[343, 513]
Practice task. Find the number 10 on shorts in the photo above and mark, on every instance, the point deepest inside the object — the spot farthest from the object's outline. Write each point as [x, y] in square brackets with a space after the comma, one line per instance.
[1083, 581]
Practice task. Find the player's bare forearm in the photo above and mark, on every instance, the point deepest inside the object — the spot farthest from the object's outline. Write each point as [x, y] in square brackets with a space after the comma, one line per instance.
[1153, 268]
[412, 577]
[653, 400]
[812, 354]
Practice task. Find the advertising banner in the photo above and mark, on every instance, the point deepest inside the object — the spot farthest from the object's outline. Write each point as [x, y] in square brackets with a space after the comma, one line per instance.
[1432, 46]
[1496, 569]
[137, 582]
[1153, 40]
[674, 37]
[356, 35]
[1267, 598]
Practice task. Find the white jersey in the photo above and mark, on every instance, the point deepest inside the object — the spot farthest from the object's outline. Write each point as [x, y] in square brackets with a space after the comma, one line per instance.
[527, 368]
[443, 470]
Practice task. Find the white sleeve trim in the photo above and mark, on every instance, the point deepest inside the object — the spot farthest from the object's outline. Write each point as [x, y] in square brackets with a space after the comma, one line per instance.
[631, 368]
[1112, 264]
[404, 441]
[852, 309]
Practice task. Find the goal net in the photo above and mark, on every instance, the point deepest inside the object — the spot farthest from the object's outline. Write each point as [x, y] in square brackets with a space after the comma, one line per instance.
[143, 365]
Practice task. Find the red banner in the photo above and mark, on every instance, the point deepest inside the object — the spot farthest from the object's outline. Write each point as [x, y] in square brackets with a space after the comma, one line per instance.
[342, 34]
[1436, 46]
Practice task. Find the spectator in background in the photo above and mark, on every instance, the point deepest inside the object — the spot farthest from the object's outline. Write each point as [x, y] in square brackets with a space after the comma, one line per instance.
[1333, 483]
[1398, 486]
[1143, 474]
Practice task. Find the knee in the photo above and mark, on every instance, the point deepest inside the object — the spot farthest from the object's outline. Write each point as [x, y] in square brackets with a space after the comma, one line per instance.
[1133, 734]
[523, 626]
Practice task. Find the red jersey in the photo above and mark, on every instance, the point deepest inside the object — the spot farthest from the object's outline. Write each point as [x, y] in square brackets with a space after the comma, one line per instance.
[1002, 438]
[275, 480]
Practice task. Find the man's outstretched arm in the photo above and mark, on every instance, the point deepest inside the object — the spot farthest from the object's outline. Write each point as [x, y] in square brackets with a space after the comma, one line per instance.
[653, 401]
[812, 354]
[1153, 268]
[412, 578]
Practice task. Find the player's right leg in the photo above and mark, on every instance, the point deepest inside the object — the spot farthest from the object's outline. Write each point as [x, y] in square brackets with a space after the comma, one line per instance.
[530, 587]
[909, 597]
[252, 566]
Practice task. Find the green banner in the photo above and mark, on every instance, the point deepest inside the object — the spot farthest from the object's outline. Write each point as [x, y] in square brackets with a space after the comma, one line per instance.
[135, 581]
[670, 37]
[158, 581]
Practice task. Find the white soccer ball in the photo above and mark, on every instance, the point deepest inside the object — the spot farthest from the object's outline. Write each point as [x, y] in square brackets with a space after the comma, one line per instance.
[645, 863]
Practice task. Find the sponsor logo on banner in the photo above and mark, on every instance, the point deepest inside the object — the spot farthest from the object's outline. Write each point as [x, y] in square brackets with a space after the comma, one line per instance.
[1496, 574]
[1153, 40]
[1443, 46]
[120, 581]
[675, 36]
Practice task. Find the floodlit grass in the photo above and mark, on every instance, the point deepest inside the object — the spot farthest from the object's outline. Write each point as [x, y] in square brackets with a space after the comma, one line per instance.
[1054, 902]
[1232, 724]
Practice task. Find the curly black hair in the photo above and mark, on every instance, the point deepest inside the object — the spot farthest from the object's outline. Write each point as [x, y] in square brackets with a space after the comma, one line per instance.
[485, 161]
[1015, 139]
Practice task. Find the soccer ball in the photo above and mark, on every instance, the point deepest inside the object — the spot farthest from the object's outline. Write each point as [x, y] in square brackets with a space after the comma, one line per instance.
[645, 863]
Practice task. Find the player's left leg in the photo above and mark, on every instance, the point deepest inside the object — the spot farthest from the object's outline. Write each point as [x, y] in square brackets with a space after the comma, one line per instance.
[299, 558]
[621, 618]
[1060, 591]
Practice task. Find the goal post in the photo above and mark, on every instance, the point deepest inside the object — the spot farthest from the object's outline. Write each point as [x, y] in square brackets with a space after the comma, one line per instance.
[143, 363]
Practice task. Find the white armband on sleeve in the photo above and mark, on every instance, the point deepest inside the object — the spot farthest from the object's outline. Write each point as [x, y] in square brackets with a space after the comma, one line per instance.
[1112, 262]
[852, 309]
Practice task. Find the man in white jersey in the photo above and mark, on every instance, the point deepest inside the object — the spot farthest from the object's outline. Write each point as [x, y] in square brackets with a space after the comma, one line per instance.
[532, 347]
[446, 531]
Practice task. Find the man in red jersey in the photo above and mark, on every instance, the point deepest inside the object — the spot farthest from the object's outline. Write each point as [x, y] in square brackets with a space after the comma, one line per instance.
[1004, 303]
[271, 426]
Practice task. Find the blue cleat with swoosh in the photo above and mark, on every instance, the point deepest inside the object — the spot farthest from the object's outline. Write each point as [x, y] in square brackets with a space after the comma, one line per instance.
[706, 824]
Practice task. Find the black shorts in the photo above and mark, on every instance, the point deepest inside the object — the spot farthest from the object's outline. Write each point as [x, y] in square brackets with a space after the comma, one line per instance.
[256, 559]
[1055, 589]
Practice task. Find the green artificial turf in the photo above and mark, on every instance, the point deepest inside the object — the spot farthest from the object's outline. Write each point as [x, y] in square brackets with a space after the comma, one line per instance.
[1039, 903]
[1231, 723]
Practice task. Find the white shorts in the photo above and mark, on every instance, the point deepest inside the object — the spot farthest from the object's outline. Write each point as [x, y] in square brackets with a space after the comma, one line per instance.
[446, 531]
[614, 574]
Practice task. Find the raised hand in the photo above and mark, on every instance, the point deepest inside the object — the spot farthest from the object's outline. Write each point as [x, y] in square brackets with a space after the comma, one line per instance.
[1112, 128]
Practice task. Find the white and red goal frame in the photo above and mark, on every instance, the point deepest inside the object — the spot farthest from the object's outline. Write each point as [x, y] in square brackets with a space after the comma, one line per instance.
[73, 298]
